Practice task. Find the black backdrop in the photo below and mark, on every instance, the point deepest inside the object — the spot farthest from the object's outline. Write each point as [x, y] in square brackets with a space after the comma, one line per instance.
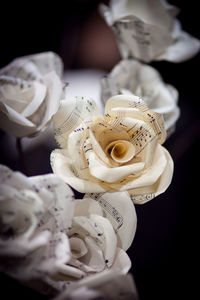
[164, 251]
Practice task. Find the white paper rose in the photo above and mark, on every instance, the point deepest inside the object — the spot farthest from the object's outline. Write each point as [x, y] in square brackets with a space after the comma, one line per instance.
[35, 214]
[118, 152]
[30, 93]
[149, 30]
[102, 230]
[48, 240]
[132, 77]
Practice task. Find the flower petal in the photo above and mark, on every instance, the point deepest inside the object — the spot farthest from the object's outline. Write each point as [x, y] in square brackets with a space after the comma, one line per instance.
[61, 165]
[151, 174]
[14, 123]
[39, 95]
[122, 261]
[120, 211]
[130, 101]
[52, 100]
[87, 206]
[183, 48]
[138, 195]
[99, 170]
[58, 201]
[71, 113]
[77, 247]
[100, 229]
[94, 257]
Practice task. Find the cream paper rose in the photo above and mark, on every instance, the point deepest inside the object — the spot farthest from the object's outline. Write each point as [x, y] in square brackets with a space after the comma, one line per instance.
[48, 240]
[120, 151]
[148, 30]
[132, 77]
[35, 214]
[30, 92]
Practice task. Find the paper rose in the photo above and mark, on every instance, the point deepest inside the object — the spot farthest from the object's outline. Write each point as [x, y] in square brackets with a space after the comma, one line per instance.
[35, 213]
[48, 240]
[132, 77]
[120, 151]
[149, 30]
[30, 92]
[102, 230]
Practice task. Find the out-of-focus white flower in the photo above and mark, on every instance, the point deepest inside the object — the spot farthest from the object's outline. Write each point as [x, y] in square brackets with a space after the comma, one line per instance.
[132, 77]
[35, 214]
[148, 30]
[48, 240]
[118, 152]
[107, 285]
[30, 93]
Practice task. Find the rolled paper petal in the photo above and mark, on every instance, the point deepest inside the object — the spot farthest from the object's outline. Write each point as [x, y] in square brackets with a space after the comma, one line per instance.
[120, 211]
[121, 151]
[40, 92]
[71, 271]
[77, 247]
[131, 101]
[100, 229]
[61, 166]
[140, 196]
[87, 206]
[14, 123]
[111, 175]
[94, 257]
[70, 114]
[122, 261]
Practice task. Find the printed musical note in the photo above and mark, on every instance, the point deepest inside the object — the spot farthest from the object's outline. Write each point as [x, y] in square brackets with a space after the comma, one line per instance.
[112, 211]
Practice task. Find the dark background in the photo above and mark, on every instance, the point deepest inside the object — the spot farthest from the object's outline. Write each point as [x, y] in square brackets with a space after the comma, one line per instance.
[164, 251]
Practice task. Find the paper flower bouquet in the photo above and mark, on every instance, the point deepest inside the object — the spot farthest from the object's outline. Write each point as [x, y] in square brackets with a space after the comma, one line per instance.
[75, 247]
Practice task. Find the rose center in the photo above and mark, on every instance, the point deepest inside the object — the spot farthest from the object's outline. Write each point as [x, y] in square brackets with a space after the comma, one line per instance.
[121, 151]
[78, 247]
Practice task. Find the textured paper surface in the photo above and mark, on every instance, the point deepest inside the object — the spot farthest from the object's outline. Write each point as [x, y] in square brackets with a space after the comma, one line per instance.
[149, 30]
[35, 212]
[49, 240]
[30, 93]
[118, 152]
[107, 285]
[132, 77]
